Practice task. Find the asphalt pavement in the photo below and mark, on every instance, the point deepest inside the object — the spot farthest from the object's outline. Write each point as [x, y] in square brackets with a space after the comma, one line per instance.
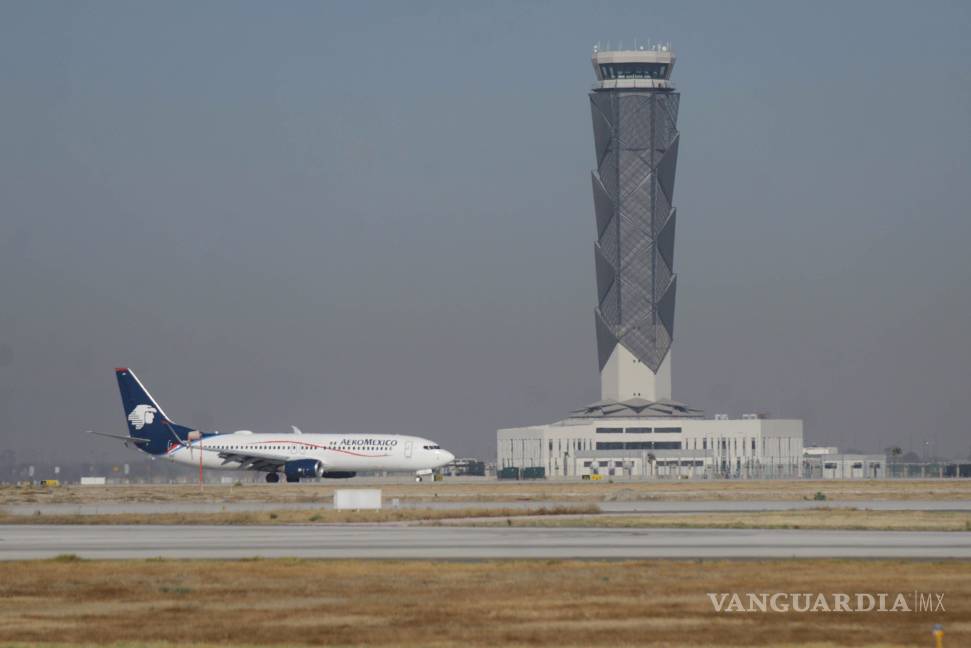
[20, 542]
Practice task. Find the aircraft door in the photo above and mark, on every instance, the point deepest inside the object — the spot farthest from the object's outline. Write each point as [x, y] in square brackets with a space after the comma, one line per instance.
[408, 446]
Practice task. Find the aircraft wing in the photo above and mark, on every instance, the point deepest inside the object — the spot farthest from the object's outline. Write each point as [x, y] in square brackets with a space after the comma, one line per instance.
[265, 462]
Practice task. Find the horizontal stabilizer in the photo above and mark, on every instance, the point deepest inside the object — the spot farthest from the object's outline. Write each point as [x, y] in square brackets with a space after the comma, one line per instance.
[123, 437]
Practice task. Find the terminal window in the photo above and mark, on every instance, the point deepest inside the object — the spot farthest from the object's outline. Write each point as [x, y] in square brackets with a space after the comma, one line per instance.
[639, 430]
[639, 445]
[667, 430]
[610, 445]
[610, 430]
[667, 445]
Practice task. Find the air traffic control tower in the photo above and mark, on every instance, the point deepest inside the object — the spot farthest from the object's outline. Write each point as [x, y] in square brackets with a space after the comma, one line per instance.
[636, 430]
[635, 128]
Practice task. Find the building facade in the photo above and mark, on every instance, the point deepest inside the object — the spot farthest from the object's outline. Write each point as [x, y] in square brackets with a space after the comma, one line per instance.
[638, 442]
[833, 465]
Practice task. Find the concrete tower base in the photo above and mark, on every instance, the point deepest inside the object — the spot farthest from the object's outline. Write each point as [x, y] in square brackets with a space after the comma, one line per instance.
[624, 377]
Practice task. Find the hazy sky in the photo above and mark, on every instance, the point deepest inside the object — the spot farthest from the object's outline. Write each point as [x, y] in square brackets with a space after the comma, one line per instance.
[377, 217]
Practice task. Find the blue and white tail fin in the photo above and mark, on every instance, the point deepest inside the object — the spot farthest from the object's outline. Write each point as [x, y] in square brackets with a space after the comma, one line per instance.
[147, 422]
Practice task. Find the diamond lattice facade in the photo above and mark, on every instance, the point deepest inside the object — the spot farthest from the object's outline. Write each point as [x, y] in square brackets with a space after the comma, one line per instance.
[635, 115]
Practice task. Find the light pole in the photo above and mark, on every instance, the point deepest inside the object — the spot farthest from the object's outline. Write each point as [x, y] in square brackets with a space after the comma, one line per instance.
[196, 435]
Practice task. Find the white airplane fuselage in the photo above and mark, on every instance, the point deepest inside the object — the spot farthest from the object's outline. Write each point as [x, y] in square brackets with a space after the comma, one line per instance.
[337, 453]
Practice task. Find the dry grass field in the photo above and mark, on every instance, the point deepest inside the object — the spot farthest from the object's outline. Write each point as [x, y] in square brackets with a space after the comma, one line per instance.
[840, 518]
[299, 516]
[571, 515]
[489, 490]
[416, 603]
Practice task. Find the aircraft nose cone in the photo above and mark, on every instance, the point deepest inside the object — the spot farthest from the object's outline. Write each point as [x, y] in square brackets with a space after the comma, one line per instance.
[447, 456]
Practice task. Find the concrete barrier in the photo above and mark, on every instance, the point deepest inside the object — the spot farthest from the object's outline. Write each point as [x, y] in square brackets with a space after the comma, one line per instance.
[357, 498]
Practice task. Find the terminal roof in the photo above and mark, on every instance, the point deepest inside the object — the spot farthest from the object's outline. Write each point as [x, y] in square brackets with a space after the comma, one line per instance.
[637, 408]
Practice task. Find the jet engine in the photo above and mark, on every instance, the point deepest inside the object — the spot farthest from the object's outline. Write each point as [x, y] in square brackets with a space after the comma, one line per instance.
[294, 470]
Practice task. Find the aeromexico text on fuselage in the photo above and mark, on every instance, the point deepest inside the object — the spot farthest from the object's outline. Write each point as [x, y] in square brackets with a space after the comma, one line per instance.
[370, 442]
[296, 455]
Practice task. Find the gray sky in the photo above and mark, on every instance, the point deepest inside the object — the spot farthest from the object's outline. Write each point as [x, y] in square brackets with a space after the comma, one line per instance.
[376, 217]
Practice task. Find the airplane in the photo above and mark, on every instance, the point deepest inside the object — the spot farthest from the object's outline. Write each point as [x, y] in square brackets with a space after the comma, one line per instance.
[294, 456]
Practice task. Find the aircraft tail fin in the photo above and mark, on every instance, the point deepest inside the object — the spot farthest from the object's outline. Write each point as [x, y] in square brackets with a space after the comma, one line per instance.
[146, 419]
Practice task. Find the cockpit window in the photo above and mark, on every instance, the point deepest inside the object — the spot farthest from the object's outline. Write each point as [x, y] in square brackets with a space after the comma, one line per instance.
[432, 447]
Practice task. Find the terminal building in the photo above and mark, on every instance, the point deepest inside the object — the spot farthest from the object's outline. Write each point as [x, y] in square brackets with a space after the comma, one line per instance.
[636, 430]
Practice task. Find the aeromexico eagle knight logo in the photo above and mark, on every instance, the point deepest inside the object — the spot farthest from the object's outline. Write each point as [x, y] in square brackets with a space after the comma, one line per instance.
[141, 416]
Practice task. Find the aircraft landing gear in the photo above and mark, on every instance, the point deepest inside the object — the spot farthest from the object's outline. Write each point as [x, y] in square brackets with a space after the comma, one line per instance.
[418, 479]
[272, 478]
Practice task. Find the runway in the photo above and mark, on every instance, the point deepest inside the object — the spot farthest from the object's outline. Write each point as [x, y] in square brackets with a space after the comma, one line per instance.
[22, 542]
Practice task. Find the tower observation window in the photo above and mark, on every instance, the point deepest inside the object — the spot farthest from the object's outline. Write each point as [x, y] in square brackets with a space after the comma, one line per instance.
[634, 70]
